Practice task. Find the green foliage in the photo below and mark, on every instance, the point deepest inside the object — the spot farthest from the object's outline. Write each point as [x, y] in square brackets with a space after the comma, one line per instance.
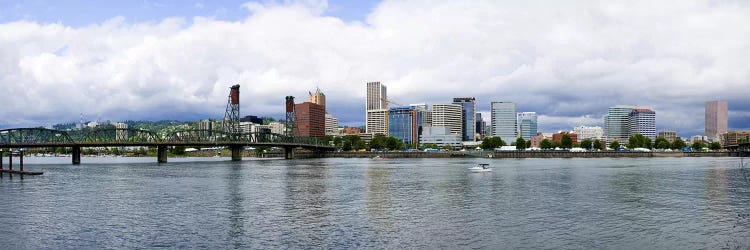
[639, 141]
[714, 146]
[378, 142]
[358, 145]
[393, 143]
[429, 145]
[598, 144]
[662, 143]
[267, 120]
[614, 145]
[520, 144]
[546, 144]
[566, 141]
[177, 150]
[678, 144]
[586, 143]
[698, 146]
[556, 144]
[490, 143]
[528, 144]
[448, 147]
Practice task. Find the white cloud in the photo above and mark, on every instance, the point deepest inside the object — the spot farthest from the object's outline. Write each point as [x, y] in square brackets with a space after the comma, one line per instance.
[563, 60]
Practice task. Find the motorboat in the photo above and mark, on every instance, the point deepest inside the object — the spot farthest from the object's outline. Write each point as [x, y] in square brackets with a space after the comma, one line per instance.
[481, 167]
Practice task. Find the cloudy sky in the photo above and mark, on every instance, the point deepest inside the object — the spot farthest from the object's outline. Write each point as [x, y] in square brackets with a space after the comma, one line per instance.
[566, 60]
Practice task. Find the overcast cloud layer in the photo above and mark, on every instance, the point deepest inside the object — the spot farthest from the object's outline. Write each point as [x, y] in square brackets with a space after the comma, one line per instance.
[567, 61]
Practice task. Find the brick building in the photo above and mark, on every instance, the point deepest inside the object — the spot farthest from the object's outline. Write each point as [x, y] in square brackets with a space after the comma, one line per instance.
[310, 120]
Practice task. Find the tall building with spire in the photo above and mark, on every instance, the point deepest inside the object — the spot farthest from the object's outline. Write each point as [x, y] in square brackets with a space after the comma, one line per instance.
[318, 98]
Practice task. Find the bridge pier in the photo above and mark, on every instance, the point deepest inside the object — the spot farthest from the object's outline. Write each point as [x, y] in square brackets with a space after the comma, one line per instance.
[288, 152]
[2, 154]
[237, 152]
[161, 154]
[76, 155]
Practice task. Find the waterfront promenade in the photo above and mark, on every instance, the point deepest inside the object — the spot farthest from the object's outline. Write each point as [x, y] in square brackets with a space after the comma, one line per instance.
[508, 154]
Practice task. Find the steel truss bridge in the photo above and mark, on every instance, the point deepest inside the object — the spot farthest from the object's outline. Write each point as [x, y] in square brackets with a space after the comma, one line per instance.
[123, 137]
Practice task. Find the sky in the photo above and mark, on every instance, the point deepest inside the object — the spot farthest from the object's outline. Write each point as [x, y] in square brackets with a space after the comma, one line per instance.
[566, 60]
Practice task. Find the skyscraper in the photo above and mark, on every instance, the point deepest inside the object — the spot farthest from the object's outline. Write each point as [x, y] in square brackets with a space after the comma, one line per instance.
[617, 123]
[480, 128]
[504, 121]
[375, 122]
[527, 125]
[468, 117]
[404, 123]
[310, 120]
[318, 98]
[642, 121]
[716, 119]
[447, 115]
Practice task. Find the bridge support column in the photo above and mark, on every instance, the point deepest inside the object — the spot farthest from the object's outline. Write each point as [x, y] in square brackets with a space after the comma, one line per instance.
[20, 160]
[2, 154]
[10, 160]
[288, 152]
[76, 155]
[161, 154]
[237, 152]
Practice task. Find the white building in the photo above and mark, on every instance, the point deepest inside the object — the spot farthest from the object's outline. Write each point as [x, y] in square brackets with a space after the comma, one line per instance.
[376, 109]
[121, 134]
[504, 121]
[332, 125]
[643, 121]
[447, 115]
[585, 132]
[277, 127]
[440, 136]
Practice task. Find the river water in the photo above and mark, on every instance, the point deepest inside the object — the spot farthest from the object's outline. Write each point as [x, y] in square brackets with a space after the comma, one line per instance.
[651, 203]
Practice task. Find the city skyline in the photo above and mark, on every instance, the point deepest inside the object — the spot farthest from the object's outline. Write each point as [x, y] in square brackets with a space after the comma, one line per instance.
[175, 60]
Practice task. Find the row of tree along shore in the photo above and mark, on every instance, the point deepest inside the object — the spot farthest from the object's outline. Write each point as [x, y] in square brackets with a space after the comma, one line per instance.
[506, 154]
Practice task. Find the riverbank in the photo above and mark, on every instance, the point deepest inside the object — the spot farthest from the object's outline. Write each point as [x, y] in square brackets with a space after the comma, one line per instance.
[505, 154]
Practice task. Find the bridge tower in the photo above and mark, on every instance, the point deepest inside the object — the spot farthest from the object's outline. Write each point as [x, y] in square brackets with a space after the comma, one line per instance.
[231, 122]
[289, 127]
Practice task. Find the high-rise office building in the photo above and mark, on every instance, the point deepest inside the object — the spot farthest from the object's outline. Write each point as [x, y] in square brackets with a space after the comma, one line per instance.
[716, 119]
[643, 121]
[617, 123]
[405, 123]
[375, 121]
[332, 125]
[504, 121]
[480, 125]
[527, 125]
[447, 115]
[468, 117]
[318, 98]
[310, 120]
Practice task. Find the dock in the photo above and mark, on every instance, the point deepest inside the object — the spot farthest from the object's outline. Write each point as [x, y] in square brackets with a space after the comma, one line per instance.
[10, 169]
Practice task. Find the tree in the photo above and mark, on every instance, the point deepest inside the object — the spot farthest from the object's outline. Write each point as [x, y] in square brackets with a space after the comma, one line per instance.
[714, 146]
[177, 150]
[448, 147]
[528, 144]
[556, 144]
[678, 144]
[614, 145]
[661, 143]
[698, 146]
[586, 143]
[360, 145]
[599, 145]
[393, 143]
[566, 141]
[492, 143]
[378, 142]
[347, 146]
[545, 144]
[429, 145]
[520, 144]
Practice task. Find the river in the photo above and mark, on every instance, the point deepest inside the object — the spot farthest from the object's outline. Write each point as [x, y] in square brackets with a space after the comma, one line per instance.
[651, 203]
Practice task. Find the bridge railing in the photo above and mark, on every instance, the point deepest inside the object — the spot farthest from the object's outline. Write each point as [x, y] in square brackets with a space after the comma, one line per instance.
[30, 136]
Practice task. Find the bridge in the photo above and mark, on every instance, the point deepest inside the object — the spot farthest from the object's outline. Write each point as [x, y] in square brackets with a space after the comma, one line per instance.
[229, 136]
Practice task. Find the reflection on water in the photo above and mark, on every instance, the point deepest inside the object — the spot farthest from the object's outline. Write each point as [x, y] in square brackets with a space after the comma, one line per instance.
[378, 197]
[672, 203]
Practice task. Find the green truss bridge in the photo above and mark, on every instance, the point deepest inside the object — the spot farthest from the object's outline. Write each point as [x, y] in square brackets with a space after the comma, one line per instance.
[18, 138]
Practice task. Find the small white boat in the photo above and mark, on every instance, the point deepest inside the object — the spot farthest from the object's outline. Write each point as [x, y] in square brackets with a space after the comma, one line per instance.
[481, 167]
[376, 157]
